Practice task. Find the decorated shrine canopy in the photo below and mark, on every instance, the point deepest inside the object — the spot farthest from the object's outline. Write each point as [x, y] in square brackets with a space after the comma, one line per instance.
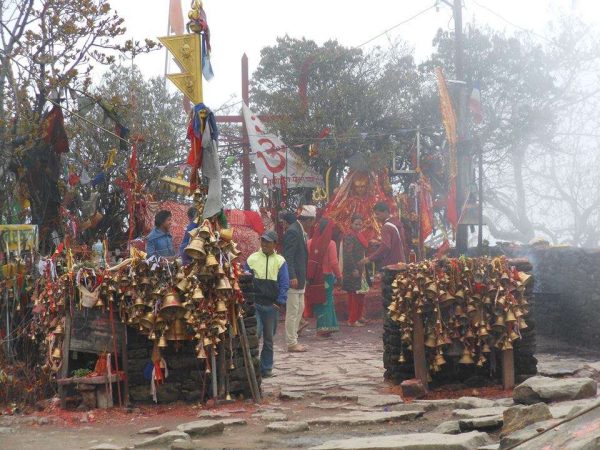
[273, 160]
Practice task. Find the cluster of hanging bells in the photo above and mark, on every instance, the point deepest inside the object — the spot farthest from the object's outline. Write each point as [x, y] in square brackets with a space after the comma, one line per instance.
[468, 306]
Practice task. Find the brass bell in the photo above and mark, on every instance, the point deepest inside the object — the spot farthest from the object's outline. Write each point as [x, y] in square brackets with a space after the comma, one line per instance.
[459, 312]
[522, 324]
[147, 321]
[99, 303]
[183, 285]
[204, 231]
[172, 307]
[57, 353]
[469, 333]
[481, 361]
[446, 299]
[223, 284]
[145, 281]
[507, 345]
[513, 335]
[430, 341]
[221, 271]
[467, 357]
[460, 294]
[177, 332]
[518, 313]
[226, 234]
[439, 359]
[236, 285]
[162, 342]
[525, 278]
[201, 352]
[211, 261]
[486, 348]
[510, 316]
[471, 309]
[197, 293]
[152, 336]
[482, 332]
[59, 331]
[392, 307]
[221, 307]
[195, 249]
[139, 303]
[499, 325]
[402, 358]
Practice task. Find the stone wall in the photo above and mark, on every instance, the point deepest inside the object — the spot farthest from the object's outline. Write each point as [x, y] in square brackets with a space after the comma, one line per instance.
[186, 373]
[567, 293]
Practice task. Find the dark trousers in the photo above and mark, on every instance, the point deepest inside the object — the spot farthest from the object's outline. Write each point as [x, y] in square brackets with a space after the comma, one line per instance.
[266, 317]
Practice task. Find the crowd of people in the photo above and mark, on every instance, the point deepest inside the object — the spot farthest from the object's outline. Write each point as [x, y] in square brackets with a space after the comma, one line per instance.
[302, 277]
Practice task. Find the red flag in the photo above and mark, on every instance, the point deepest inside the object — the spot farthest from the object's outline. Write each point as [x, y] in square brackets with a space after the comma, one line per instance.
[175, 17]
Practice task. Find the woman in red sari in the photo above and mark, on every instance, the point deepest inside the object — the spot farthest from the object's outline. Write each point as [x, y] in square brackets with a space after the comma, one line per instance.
[354, 247]
[322, 272]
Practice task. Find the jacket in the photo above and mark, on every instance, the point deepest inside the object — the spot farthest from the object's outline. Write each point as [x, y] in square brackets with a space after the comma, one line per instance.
[295, 253]
[159, 243]
[271, 278]
[185, 259]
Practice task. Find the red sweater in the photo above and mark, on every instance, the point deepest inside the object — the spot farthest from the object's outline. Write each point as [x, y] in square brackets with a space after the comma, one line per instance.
[390, 250]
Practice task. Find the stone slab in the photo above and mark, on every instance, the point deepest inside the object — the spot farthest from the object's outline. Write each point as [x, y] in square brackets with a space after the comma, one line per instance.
[415, 441]
[202, 427]
[545, 389]
[234, 422]
[365, 418]
[374, 401]
[478, 412]
[520, 416]
[163, 439]
[287, 427]
[271, 417]
[153, 430]
[448, 427]
[107, 446]
[474, 402]
[480, 423]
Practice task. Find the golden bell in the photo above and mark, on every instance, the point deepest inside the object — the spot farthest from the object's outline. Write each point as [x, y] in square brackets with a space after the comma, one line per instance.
[447, 299]
[522, 324]
[221, 306]
[204, 231]
[57, 353]
[459, 312]
[226, 234]
[499, 325]
[466, 357]
[486, 348]
[59, 331]
[482, 332]
[177, 332]
[460, 294]
[513, 335]
[519, 313]
[211, 261]
[195, 249]
[147, 321]
[171, 307]
[507, 345]
[430, 341]
[223, 284]
[525, 278]
[145, 281]
[469, 333]
[162, 342]
[402, 358]
[221, 271]
[439, 359]
[197, 294]
[510, 316]
[392, 307]
[481, 361]
[152, 336]
[201, 353]
[183, 285]
[471, 309]
[139, 303]
[99, 303]
[236, 285]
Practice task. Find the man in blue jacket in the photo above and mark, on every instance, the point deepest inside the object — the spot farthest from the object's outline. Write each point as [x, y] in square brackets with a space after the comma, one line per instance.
[271, 283]
[160, 242]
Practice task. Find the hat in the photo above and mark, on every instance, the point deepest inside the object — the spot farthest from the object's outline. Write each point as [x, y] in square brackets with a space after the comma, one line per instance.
[269, 236]
[309, 211]
[287, 216]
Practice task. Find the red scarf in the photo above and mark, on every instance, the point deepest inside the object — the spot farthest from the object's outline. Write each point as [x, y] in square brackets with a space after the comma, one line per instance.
[360, 236]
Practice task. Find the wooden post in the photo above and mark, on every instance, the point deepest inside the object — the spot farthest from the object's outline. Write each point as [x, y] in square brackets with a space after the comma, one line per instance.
[64, 369]
[418, 348]
[246, 141]
[508, 369]
[125, 364]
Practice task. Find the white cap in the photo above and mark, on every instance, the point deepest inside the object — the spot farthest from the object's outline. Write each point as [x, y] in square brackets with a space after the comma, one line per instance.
[308, 211]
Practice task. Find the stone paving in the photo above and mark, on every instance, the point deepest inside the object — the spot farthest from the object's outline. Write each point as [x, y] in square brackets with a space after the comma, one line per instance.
[332, 396]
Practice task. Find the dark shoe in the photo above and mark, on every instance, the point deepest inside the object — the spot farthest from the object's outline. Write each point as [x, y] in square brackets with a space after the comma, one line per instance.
[267, 374]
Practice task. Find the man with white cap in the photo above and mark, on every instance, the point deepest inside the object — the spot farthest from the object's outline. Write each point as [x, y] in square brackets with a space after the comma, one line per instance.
[295, 253]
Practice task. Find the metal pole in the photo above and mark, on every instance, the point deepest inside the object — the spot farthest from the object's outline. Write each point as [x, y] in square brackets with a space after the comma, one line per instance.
[246, 140]
[213, 366]
[462, 236]
[480, 206]
[248, 361]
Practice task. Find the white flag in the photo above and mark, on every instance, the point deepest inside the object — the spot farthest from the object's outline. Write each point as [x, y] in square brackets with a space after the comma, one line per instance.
[274, 160]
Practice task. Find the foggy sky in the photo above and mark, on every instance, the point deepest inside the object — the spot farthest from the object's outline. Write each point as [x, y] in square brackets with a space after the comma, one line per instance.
[239, 26]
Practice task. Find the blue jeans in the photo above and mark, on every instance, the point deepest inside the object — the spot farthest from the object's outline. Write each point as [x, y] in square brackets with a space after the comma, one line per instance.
[266, 317]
